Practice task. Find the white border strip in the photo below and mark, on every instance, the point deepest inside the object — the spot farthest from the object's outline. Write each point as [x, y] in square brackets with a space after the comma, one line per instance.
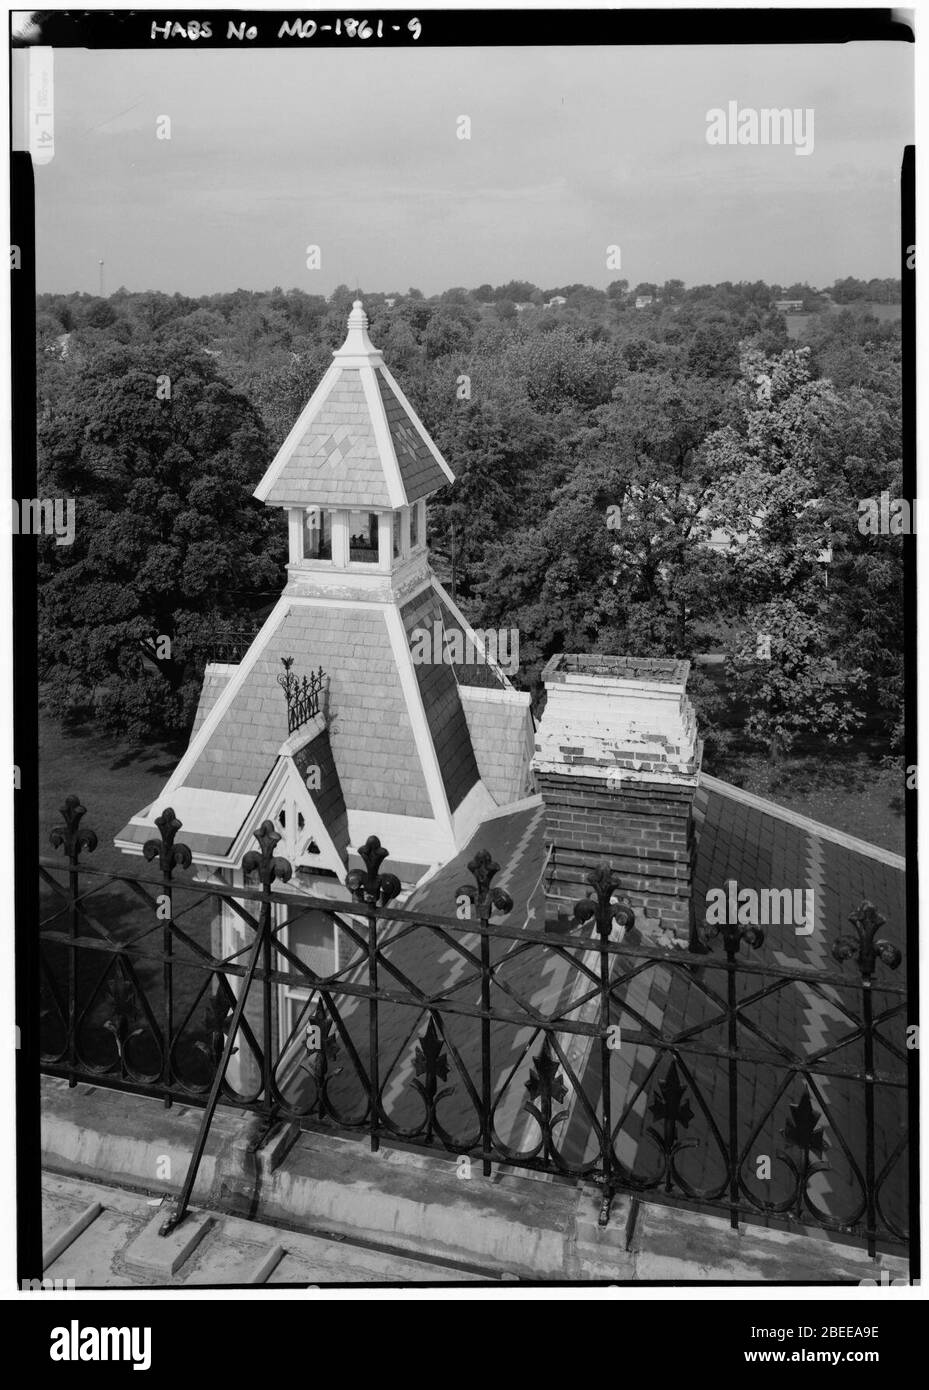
[812, 827]
[424, 434]
[302, 423]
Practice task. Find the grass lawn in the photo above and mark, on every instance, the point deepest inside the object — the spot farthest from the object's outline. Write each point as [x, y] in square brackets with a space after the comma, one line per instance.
[114, 778]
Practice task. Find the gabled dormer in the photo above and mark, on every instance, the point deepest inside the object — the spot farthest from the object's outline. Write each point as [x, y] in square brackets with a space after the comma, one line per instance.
[353, 476]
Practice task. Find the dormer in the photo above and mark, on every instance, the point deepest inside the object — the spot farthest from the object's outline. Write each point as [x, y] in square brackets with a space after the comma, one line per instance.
[354, 472]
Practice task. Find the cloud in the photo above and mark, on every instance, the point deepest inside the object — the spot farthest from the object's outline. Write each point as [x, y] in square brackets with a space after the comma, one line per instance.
[571, 149]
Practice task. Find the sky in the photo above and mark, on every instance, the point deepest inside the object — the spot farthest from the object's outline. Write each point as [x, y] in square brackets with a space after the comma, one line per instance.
[572, 150]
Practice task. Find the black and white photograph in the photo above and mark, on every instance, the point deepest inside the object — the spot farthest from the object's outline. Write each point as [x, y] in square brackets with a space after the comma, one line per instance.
[464, 658]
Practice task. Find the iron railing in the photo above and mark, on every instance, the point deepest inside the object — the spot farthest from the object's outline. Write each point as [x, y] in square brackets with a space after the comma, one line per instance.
[302, 693]
[229, 647]
[647, 1071]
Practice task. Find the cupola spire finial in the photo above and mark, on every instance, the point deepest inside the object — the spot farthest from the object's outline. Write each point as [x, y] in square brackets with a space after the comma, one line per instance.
[357, 343]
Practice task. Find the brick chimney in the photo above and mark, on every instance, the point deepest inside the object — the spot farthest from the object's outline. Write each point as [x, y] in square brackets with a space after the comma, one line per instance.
[616, 760]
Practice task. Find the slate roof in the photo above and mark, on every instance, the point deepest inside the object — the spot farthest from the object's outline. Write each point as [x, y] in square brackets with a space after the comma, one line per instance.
[328, 798]
[481, 674]
[442, 705]
[372, 738]
[743, 837]
[337, 461]
[357, 442]
[418, 468]
[754, 845]
[503, 737]
[215, 680]
[438, 964]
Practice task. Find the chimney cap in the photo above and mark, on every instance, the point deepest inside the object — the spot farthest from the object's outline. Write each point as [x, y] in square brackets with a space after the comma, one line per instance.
[650, 670]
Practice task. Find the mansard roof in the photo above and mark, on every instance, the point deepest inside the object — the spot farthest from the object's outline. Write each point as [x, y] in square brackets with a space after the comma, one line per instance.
[358, 442]
[394, 745]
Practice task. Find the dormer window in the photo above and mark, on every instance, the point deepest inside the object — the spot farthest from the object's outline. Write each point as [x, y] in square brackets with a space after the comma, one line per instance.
[317, 534]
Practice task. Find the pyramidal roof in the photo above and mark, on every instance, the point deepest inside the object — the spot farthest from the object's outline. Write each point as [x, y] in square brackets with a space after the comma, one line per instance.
[358, 442]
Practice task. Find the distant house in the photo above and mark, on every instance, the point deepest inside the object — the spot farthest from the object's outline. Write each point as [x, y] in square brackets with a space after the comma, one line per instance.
[390, 301]
[789, 306]
[61, 346]
[642, 301]
[556, 301]
[523, 306]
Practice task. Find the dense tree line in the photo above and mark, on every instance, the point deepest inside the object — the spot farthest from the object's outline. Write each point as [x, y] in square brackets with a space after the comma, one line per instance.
[675, 478]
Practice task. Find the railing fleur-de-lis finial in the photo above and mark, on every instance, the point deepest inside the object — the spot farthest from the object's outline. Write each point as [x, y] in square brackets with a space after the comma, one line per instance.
[864, 948]
[72, 839]
[368, 885]
[606, 883]
[732, 933]
[485, 898]
[169, 855]
[268, 865]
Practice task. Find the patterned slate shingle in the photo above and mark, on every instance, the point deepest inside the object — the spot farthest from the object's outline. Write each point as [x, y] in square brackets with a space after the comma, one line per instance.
[418, 469]
[671, 995]
[337, 462]
[481, 674]
[214, 683]
[328, 798]
[369, 725]
[502, 739]
[760, 849]
[431, 964]
[442, 704]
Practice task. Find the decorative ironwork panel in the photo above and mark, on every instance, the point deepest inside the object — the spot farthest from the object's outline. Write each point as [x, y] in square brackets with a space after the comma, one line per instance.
[586, 1053]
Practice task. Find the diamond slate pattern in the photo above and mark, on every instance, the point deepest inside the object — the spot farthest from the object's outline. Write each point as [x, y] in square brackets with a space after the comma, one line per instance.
[337, 462]
[756, 848]
[372, 738]
[418, 469]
